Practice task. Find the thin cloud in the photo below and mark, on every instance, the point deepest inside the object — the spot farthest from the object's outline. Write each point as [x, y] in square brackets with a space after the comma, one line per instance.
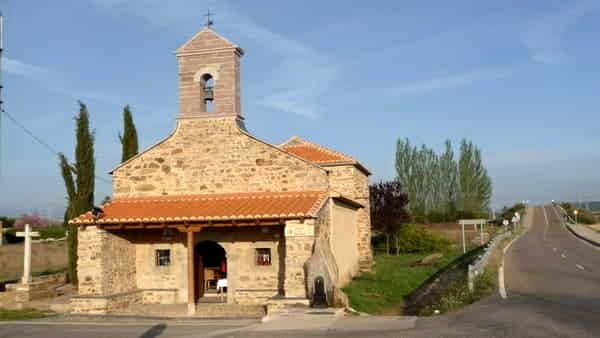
[544, 36]
[26, 70]
[53, 81]
[458, 80]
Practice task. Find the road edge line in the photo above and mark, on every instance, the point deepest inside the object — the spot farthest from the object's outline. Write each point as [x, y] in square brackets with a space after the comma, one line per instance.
[501, 286]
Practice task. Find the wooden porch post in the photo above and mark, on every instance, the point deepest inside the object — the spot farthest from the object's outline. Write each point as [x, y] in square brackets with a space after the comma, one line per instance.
[191, 284]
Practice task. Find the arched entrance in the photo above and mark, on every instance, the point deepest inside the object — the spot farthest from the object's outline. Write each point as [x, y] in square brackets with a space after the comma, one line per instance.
[211, 267]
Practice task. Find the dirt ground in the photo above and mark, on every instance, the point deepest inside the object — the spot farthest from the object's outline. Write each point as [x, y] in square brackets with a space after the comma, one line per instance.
[595, 227]
[44, 256]
[453, 232]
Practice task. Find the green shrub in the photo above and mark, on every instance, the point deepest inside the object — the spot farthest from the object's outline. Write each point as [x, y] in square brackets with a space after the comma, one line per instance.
[416, 239]
[584, 216]
[10, 236]
[52, 232]
[46, 232]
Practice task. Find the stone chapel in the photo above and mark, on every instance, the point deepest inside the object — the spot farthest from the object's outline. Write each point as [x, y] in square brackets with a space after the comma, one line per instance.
[212, 214]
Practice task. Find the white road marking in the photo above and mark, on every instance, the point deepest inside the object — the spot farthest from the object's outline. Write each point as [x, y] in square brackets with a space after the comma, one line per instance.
[580, 267]
[546, 218]
[563, 255]
[501, 287]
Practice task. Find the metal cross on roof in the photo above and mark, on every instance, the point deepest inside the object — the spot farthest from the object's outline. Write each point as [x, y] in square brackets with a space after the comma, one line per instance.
[209, 21]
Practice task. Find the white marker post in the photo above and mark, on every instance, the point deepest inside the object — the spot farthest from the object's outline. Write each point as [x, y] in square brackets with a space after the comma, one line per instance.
[463, 237]
[1, 233]
[505, 223]
[481, 232]
[27, 254]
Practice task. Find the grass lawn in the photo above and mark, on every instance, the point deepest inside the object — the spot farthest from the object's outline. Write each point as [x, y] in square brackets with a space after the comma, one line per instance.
[376, 293]
[21, 314]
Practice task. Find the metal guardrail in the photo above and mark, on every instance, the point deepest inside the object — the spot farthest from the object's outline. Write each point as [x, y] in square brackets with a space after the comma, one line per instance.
[477, 267]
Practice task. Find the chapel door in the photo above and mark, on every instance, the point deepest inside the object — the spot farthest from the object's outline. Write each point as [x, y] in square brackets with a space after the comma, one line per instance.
[200, 287]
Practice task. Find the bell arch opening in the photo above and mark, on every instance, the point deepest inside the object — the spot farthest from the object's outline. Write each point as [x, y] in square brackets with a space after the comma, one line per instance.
[207, 84]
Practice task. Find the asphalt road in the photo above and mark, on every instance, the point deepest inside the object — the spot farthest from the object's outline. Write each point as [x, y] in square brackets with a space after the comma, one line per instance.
[553, 290]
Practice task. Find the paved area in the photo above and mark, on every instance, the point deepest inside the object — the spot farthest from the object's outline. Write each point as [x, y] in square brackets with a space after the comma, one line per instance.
[586, 233]
[552, 281]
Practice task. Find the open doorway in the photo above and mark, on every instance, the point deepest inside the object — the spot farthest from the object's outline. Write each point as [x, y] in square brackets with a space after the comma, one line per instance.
[211, 272]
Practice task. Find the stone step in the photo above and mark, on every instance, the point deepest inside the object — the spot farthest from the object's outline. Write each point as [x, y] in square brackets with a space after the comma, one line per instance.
[215, 310]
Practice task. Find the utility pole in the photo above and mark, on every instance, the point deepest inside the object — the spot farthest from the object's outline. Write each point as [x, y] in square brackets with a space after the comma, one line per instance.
[1, 102]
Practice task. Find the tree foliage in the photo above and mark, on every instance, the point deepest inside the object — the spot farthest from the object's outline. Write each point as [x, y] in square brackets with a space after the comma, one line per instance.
[440, 187]
[388, 209]
[129, 139]
[79, 183]
[474, 183]
[33, 219]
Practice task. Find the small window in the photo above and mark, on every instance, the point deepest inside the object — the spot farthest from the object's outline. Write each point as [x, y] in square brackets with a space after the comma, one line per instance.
[263, 256]
[163, 257]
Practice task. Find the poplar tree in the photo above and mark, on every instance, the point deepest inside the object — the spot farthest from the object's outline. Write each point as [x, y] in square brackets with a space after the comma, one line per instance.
[129, 140]
[439, 186]
[474, 181]
[448, 182]
[79, 184]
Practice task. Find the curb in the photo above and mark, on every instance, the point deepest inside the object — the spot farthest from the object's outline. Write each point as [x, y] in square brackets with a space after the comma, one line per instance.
[590, 241]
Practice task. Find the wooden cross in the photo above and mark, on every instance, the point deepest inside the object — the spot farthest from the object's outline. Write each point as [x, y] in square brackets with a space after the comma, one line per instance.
[209, 21]
[27, 254]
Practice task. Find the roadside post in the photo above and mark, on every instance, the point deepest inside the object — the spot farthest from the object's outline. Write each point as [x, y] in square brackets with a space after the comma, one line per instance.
[1, 234]
[505, 223]
[474, 223]
[463, 237]
[514, 223]
[575, 212]
[481, 232]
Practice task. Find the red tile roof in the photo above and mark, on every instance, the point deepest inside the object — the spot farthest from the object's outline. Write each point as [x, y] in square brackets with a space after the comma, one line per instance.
[319, 154]
[316, 153]
[208, 207]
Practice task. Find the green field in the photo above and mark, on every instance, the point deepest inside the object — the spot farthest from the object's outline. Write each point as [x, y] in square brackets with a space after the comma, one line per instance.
[383, 292]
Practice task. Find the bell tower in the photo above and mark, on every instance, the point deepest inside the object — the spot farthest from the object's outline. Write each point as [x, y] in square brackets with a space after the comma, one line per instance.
[209, 76]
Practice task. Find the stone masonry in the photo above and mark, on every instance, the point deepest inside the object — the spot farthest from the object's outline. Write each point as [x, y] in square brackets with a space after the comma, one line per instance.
[211, 152]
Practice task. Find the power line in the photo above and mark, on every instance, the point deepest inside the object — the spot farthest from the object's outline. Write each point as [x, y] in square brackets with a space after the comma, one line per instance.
[42, 142]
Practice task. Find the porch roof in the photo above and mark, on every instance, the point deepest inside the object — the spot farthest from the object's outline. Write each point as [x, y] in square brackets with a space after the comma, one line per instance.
[207, 207]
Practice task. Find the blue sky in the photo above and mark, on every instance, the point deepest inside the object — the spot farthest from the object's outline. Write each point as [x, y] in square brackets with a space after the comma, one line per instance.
[519, 78]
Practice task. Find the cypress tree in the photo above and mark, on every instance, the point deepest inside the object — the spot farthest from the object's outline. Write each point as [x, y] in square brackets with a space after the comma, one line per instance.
[129, 140]
[79, 183]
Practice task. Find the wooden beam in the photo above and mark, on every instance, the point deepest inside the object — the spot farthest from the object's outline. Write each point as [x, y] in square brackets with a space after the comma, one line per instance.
[191, 267]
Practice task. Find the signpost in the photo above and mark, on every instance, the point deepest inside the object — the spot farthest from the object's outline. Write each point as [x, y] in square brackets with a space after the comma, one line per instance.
[27, 234]
[475, 222]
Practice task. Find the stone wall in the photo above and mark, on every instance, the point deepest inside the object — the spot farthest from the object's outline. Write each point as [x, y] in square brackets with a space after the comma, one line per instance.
[353, 183]
[106, 262]
[214, 155]
[105, 304]
[151, 276]
[344, 240]
[322, 262]
[249, 283]
[299, 241]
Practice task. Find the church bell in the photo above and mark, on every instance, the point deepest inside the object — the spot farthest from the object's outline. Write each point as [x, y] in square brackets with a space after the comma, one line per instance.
[208, 94]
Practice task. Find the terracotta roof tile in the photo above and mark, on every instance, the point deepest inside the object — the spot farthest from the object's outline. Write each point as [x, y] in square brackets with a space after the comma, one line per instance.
[315, 153]
[209, 207]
